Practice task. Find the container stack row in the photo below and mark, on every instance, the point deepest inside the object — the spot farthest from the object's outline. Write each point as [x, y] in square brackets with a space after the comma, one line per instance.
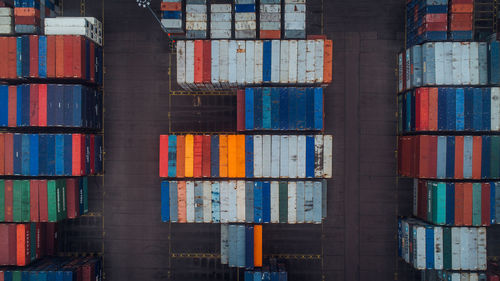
[171, 16]
[270, 19]
[245, 19]
[50, 105]
[224, 64]
[280, 109]
[426, 21]
[241, 245]
[449, 109]
[279, 273]
[89, 27]
[457, 203]
[446, 275]
[250, 156]
[243, 201]
[84, 269]
[196, 19]
[295, 19]
[461, 20]
[426, 246]
[220, 21]
[6, 19]
[43, 200]
[29, 15]
[23, 244]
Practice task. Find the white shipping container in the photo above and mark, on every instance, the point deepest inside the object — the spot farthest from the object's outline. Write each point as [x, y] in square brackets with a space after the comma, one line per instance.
[258, 62]
[233, 46]
[181, 63]
[301, 156]
[190, 201]
[172, 23]
[270, 8]
[420, 248]
[439, 65]
[275, 61]
[275, 156]
[239, 17]
[5, 12]
[284, 55]
[266, 156]
[224, 201]
[474, 63]
[495, 109]
[456, 69]
[456, 259]
[292, 8]
[270, 17]
[295, 17]
[240, 62]
[190, 62]
[6, 21]
[224, 63]
[232, 199]
[219, 34]
[67, 22]
[292, 156]
[240, 201]
[327, 156]
[310, 60]
[292, 61]
[292, 202]
[220, 25]
[245, 25]
[284, 157]
[70, 30]
[295, 25]
[465, 63]
[224, 244]
[270, 25]
[274, 199]
[464, 248]
[257, 156]
[196, 17]
[448, 63]
[301, 61]
[249, 61]
[193, 8]
[220, 8]
[318, 63]
[6, 29]
[215, 63]
[318, 156]
[207, 202]
[482, 254]
[196, 25]
[438, 247]
[473, 249]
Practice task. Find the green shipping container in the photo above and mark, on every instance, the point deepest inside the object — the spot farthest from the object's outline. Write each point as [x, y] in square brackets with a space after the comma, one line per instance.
[476, 204]
[52, 200]
[25, 201]
[16, 201]
[283, 193]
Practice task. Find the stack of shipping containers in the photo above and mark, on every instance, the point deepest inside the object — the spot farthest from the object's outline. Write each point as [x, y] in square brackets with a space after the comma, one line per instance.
[6, 20]
[196, 19]
[295, 19]
[171, 16]
[448, 110]
[270, 19]
[220, 21]
[50, 139]
[274, 169]
[29, 15]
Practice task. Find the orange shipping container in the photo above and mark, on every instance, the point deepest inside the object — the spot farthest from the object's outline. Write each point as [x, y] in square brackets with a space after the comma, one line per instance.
[223, 161]
[232, 169]
[189, 155]
[181, 150]
[467, 204]
[12, 60]
[198, 61]
[477, 145]
[4, 46]
[197, 156]
[462, 8]
[328, 62]
[240, 156]
[59, 56]
[26, 12]
[163, 156]
[257, 245]
[51, 56]
[270, 34]
[459, 204]
[171, 6]
[181, 207]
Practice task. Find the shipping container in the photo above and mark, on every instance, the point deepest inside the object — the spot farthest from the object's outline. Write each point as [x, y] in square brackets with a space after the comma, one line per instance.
[245, 202]
[196, 20]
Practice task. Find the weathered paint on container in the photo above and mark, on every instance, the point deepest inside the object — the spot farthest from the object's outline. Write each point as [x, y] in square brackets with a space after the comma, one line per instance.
[448, 62]
[274, 200]
[474, 63]
[257, 197]
[207, 202]
[240, 201]
[292, 202]
[284, 62]
[275, 156]
[483, 62]
[215, 64]
[495, 109]
[266, 156]
[249, 62]
[318, 156]
[482, 254]
[439, 64]
[198, 202]
[224, 244]
[190, 63]
[258, 55]
[216, 211]
[465, 64]
[249, 202]
[257, 150]
[456, 69]
[319, 60]
[181, 63]
[301, 156]
[310, 60]
[240, 62]
[327, 156]
[232, 198]
[308, 202]
[275, 61]
[292, 156]
[438, 247]
[224, 63]
[284, 157]
[292, 61]
[189, 201]
[300, 202]
[224, 202]
[181, 193]
[232, 62]
[464, 248]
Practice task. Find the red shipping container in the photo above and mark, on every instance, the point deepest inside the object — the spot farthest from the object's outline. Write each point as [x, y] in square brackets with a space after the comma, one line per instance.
[12, 106]
[206, 156]
[92, 61]
[27, 20]
[9, 197]
[9, 154]
[163, 156]
[198, 61]
[77, 155]
[26, 12]
[276, 34]
[240, 110]
[461, 22]
[51, 56]
[459, 204]
[416, 96]
[462, 8]
[68, 56]
[92, 155]
[433, 157]
[435, 26]
[43, 201]
[433, 109]
[51, 239]
[467, 204]
[4, 47]
[171, 6]
[78, 57]
[8, 253]
[83, 170]
[59, 56]
[181, 145]
[424, 109]
[476, 157]
[485, 204]
[459, 157]
[34, 105]
[442, 18]
[23, 244]
[207, 61]
[423, 156]
[42, 105]
[197, 156]
[34, 211]
[72, 198]
[2, 154]
[12, 59]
